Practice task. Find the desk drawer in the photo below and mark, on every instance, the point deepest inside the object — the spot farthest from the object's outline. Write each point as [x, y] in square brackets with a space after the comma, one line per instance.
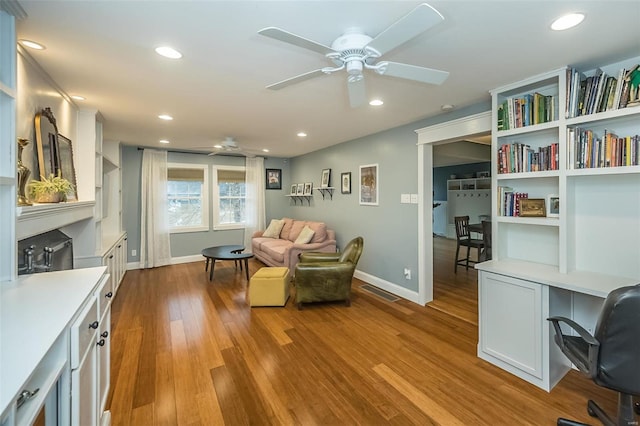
[83, 332]
[104, 293]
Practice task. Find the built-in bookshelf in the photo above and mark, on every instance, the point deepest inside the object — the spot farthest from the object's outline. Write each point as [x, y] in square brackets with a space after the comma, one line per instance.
[588, 159]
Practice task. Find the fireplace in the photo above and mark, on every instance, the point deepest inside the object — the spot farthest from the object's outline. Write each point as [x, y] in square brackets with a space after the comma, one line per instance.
[51, 251]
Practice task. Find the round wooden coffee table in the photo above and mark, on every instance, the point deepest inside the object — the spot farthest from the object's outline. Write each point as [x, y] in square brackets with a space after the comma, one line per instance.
[234, 253]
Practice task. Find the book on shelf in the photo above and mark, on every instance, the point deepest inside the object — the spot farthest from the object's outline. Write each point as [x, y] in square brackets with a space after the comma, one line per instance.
[518, 158]
[526, 110]
[586, 150]
[509, 201]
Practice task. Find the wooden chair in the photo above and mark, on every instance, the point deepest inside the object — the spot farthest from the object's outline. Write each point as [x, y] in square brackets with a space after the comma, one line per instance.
[486, 239]
[463, 236]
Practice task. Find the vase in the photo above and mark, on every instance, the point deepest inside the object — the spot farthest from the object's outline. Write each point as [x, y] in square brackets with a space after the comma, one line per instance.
[23, 174]
[50, 197]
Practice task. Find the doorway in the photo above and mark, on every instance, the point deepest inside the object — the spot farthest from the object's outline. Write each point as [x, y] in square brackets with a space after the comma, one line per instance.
[464, 128]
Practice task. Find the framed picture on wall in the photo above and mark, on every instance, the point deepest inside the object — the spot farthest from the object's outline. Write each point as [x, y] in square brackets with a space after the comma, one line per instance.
[326, 178]
[369, 185]
[300, 189]
[308, 188]
[345, 179]
[294, 189]
[274, 178]
[64, 164]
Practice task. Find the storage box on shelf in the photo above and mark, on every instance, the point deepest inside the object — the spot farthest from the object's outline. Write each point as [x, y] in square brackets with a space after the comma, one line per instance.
[564, 265]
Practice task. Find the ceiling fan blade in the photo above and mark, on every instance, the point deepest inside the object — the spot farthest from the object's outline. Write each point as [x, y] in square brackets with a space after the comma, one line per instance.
[287, 37]
[415, 22]
[412, 72]
[357, 91]
[297, 79]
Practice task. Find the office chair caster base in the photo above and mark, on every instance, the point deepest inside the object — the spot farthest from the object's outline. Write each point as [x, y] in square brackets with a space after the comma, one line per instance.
[636, 408]
[567, 422]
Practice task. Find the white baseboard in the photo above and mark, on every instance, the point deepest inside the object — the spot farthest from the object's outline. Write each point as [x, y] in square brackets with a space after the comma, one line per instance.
[390, 287]
[174, 261]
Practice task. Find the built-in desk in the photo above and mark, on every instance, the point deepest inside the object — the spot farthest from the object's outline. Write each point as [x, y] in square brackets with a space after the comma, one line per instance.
[515, 298]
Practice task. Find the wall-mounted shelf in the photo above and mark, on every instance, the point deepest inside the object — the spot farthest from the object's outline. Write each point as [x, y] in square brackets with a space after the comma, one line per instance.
[295, 198]
[325, 191]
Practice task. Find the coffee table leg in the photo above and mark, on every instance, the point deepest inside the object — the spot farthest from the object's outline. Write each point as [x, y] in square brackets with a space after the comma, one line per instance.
[246, 268]
[213, 264]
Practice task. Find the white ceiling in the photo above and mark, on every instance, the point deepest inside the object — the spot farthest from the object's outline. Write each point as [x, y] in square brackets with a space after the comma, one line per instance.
[104, 50]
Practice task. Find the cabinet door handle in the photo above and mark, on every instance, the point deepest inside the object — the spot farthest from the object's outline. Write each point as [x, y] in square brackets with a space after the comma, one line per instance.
[125, 239]
[26, 395]
[111, 257]
[109, 295]
[94, 325]
[119, 246]
[105, 334]
[100, 343]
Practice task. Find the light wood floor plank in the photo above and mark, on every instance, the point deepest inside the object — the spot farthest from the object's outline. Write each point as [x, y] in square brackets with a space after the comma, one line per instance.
[189, 351]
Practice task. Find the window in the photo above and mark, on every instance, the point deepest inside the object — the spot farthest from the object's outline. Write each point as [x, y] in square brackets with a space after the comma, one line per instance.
[187, 187]
[229, 191]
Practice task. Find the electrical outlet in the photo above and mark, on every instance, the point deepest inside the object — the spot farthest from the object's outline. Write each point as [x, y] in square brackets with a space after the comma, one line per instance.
[407, 273]
[134, 252]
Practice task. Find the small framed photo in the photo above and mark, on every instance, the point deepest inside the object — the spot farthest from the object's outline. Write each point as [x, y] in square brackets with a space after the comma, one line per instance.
[553, 206]
[308, 188]
[345, 179]
[274, 178]
[532, 207]
[300, 189]
[294, 189]
[326, 178]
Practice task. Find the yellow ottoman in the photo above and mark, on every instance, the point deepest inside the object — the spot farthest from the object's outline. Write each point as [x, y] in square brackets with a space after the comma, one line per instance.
[269, 287]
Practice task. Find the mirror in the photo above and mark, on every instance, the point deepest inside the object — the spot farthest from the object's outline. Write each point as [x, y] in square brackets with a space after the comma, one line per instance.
[46, 142]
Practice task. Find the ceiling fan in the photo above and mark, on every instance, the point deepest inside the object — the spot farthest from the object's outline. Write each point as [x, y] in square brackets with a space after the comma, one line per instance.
[356, 51]
[230, 147]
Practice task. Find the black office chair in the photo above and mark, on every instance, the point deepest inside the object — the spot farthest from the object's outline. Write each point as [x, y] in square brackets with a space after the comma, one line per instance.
[611, 357]
[463, 237]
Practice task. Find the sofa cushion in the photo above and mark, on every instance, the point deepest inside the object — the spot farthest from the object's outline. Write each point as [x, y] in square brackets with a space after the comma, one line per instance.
[275, 249]
[320, 231]
[256, 243]
[296, 228]
[274, 228]
[305, 236]
[288, 223]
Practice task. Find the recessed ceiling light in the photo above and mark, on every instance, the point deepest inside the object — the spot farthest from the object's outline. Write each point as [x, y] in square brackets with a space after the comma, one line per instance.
[376, 102]
[164, 141]
[567, 21]
[165, 117]
[168, 52]
[265, 150]
[78, 98]
[32, 44]
[447, 107]
[302, 134]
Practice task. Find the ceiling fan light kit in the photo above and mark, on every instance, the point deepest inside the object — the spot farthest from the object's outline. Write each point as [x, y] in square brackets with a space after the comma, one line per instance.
[356, 51]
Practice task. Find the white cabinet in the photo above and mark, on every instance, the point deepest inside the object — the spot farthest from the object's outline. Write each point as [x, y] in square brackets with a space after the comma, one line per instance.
[467, 197]
[115, 259]
[83, 366]
[567, 263]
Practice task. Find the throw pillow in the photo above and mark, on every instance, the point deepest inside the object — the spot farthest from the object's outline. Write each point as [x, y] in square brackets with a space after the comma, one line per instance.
[274, 228]
[305, 236]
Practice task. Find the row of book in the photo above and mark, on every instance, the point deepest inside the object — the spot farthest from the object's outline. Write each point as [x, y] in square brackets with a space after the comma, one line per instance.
[586, 150]
[519, 157]
[509, 201]
[601, 92]
[532, 108]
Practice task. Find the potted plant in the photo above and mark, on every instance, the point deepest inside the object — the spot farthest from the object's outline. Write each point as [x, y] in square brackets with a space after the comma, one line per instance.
[49, 190]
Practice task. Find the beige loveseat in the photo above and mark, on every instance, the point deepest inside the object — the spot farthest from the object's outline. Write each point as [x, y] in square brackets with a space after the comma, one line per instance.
[281, 249]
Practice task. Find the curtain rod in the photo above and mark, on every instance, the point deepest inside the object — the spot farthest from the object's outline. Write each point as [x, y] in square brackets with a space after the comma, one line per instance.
[175, 151]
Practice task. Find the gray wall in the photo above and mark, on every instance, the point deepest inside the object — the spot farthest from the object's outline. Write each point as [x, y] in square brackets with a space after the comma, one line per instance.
[390, 230]
[189, 243]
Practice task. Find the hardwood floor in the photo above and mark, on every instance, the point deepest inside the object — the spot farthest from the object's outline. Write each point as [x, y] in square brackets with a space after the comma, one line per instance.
[187, 351]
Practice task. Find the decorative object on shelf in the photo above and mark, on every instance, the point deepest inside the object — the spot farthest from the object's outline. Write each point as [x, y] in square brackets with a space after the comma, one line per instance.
[46, 141]
[53, 189]
[369, 185]
[532, 207]
[274, 179]
[300, 189]
[64, 164]
[23, 174]
[345, 178]
[308, 188]
[481, 175]
[326, 178]
[294, 189]
[553, 206]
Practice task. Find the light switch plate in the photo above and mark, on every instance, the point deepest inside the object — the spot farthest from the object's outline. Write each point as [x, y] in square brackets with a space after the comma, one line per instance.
[414, 198]
[405, 198]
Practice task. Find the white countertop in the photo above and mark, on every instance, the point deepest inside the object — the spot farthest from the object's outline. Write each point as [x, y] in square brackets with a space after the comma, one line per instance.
[591, 283]
[34, 310]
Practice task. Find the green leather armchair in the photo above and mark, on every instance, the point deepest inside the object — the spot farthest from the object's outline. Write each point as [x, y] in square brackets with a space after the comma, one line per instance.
[327, 276]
